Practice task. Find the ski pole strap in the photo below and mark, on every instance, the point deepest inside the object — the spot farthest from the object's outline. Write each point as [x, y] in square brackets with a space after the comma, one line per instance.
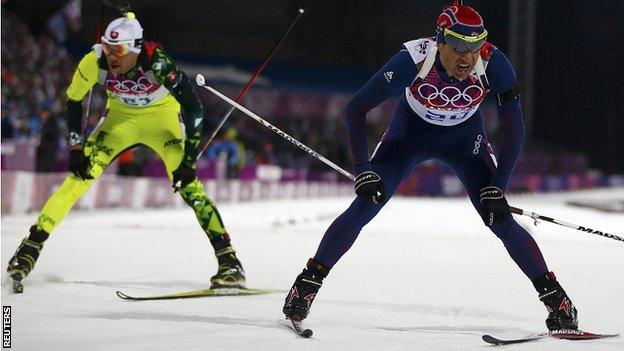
[537, 217]
[480, 69]
[427, 64]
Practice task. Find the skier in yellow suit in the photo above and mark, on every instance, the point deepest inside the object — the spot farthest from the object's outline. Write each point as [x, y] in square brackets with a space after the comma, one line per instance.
[145, 91]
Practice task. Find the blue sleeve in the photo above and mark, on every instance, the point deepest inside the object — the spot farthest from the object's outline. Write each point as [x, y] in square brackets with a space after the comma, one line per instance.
[397, 74]
[502, 79]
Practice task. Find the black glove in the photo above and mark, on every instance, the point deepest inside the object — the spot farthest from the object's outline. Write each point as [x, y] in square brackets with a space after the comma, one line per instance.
[78, 164]
[182, 176]
[369, 186]
[494, 206]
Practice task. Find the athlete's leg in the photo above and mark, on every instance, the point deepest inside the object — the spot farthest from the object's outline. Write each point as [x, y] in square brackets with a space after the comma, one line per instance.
[474, 166]
[395, 157]
[471, 158]
[398, 153]
[113, 135]
[166, 139]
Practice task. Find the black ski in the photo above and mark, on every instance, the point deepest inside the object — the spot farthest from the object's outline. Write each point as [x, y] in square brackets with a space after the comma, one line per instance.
[297, 327]
[557, 334]
[496, 341]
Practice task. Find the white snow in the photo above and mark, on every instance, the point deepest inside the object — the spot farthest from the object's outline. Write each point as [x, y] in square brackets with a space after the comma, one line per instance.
[425, 274]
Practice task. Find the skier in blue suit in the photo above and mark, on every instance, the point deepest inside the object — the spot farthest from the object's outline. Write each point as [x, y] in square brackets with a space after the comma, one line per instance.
[441, 82]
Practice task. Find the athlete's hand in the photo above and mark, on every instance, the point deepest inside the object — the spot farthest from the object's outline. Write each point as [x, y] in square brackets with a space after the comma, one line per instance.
[78, 164]
[182, 176]
[494, 206]
[368, 185]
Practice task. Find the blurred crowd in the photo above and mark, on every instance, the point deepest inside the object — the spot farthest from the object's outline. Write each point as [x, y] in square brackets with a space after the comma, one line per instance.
[33, 69]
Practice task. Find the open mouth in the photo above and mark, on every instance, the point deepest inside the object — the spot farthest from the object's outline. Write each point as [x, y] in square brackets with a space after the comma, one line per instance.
[462, 67]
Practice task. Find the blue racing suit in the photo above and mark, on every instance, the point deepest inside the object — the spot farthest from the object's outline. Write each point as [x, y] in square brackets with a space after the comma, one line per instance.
[437, 117]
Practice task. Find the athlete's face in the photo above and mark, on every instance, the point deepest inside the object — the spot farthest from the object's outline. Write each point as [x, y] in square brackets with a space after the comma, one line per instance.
[121, 64]
[457, 64]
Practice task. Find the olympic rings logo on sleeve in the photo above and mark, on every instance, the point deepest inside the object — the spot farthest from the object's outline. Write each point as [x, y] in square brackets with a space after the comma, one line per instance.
[477, 144]
[450, 96]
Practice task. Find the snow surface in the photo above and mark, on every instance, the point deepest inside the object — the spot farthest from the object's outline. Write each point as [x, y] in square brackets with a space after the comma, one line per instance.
[425, 274]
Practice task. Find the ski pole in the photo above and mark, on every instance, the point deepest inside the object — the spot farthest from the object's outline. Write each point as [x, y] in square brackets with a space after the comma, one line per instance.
[201, 82]
[536, 217]
[247, 86]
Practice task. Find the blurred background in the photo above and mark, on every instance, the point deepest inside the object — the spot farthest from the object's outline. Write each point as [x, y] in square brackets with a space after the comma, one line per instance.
[566, 54]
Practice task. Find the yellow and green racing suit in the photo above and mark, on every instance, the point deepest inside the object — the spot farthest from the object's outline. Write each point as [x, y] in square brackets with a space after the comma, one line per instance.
[143, 108]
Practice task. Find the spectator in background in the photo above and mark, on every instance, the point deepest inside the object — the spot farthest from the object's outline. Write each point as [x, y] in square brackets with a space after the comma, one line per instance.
[267, 155]
[49, 141]
[232, 133]
[7, 127]
[127, 164]
[232, 151]
[23, 129]
[132, 162]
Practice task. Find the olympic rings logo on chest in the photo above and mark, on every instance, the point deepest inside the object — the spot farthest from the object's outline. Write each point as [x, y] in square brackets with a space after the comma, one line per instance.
[140, 86]
[449, 96]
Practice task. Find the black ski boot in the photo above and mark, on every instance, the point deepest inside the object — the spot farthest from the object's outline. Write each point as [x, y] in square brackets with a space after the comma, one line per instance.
[230, 273]
[301, 295]
[561, 312]
[23, 261]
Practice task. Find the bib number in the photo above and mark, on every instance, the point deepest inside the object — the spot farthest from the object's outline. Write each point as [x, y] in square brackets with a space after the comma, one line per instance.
[446, 117]
[136, 101]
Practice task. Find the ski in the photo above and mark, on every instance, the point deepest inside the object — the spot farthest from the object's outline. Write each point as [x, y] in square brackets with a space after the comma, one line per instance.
[557, 334]
[496, 341]
[297, 327]
[200, 293]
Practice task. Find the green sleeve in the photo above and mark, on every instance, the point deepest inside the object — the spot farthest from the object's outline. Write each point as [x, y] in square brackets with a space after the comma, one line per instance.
[174, 79]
